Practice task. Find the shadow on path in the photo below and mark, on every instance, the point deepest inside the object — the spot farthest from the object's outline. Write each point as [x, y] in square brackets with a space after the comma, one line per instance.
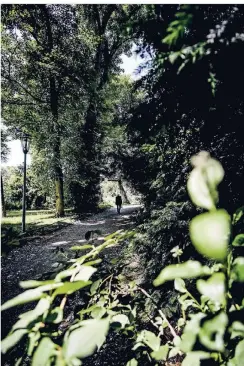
[37, 257]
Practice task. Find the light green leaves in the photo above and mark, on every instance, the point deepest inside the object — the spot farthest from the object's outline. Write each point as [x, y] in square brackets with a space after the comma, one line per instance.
[83, 341]
[191, 331]
[95, 286]
[238, 215]
[12, 339]
[180, 285]
[149, 339]
[34, 283]
[238, 241]
[194, 358]
[210, 232]
[122, 319]
[239, 353]
[85, 273]
[189, 269]
[161, 354]
[27, 296]
[204, 179]
[212, 331]
[176, 251]
[44, 352]
[237, 272]
[28, 317]
[213, 288]
[70, 287]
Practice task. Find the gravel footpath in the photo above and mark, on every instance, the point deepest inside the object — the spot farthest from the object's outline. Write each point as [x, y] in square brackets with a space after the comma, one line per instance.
[38, 256]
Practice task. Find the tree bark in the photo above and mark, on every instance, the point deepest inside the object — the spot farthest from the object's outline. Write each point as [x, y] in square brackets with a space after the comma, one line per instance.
[54, 103]
[123, 193]
[2, 199]
[59, 189]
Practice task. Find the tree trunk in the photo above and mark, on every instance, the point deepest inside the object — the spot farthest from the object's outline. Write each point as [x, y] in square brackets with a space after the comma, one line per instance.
[2, 199]
[86, 193]
[59, 189]
[123, 193]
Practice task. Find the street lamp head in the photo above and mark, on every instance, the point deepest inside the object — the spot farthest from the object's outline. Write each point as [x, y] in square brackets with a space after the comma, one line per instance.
[25, 142]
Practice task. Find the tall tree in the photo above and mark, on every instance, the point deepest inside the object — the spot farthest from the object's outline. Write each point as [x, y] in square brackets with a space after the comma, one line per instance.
[4, 155]
[39, 78]
[107, 24]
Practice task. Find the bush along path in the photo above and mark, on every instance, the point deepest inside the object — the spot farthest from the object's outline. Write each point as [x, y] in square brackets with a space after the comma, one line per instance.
[88, 313]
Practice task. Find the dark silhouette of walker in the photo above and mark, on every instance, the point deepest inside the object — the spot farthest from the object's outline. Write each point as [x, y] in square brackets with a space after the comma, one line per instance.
[118, 202]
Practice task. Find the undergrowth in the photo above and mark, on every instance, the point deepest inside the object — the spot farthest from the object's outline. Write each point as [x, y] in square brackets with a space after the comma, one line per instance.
[197, 322]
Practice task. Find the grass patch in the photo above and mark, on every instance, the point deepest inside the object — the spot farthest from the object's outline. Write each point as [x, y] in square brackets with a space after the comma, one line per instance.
[38, 222]
[34, 218]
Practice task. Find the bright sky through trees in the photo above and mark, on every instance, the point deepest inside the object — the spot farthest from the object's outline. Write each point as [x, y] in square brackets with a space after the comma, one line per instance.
[15, 157]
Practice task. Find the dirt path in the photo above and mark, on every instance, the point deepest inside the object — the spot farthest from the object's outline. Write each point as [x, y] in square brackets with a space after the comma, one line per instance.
[37, 257]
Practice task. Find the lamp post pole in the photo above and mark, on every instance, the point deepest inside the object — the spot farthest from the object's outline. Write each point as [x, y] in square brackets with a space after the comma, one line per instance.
[25, 147]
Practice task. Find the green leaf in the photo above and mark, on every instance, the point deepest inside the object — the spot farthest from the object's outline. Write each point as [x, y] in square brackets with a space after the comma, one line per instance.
[161, 354]
[70, 287]
[56, 316]
[27, 296]
[85, 273]
[194, 358]
[132, 362]
[12, 339]
[237, 273]
[33, 339]
[181, 322]
[83, 342]
[28, 317]
[64, 274]
[239, 353]
[43, 352]
[190, 333]
[203, 181]
[237, 329]
[30, 295]
[210, 232]
[95, 286]
[82, 247]
[150, 339]
[88, 310]
[238, 215]
[180, 285]
[189, 269]
[238, 241]
[212, 331]
[173, 57]
[98, 312]
[122, 319]
[33, 283]
[213, 288]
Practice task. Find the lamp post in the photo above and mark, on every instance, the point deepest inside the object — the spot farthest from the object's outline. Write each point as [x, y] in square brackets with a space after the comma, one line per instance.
[25, 143]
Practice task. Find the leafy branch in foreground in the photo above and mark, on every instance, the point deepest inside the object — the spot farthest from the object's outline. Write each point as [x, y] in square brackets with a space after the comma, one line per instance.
[42, 327]
[215, 329]
[211, 325]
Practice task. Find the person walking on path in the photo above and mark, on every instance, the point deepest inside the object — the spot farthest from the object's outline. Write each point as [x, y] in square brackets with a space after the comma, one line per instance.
[118, 202]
